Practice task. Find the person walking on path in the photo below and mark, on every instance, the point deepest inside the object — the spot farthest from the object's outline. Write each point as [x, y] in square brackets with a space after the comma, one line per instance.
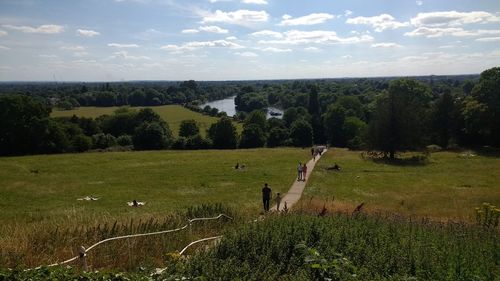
[278, 201]
[266, 196]
[304, 172]
[299, 172]
[313, 155]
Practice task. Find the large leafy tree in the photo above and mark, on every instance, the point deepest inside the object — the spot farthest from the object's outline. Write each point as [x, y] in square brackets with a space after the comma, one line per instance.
[252, 136]
[152, 135]
[223, 134]
[301, 133]
[188, 128]
[487, 92]
[24, 124]
[399, 118]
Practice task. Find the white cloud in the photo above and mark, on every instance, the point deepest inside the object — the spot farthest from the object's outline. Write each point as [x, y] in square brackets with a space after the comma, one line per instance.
[231, 38]
[419, 2]
[431, 32]
[48, 56]
[267, 33]
[275, 50]
[73, 48]
[42, 29]
[346, 57]
[347, 13]
[452, 18]
[318, 37]
[379, 23]
[3, 33]
[240, 17]
[386, 45]
[4, 48]
[190, 31]
[189, 46]
[247, 54]
[124, 55]
[118, 45]
[286, 17]
[87, 33]
[311, 19]
[257, 2]
[312, 49]
[80, 54]
[488, 39]
[213, 29]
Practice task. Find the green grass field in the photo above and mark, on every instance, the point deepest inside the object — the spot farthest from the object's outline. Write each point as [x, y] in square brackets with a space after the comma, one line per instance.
[43, 222]
[172, 114]
[449, 186]
[166, 180]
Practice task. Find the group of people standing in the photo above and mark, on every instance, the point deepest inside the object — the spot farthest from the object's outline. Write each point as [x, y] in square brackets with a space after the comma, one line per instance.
[267, 195]
[302, 172]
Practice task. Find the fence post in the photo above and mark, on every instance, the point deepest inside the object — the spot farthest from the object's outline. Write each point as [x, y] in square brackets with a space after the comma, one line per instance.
[83, 258]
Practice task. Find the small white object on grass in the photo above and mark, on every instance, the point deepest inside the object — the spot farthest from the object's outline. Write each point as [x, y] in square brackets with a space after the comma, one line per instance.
[139, 204]
[88, 198]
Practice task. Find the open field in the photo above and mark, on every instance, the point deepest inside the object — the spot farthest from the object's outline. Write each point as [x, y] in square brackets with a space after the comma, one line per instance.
[166, 180]
[172, 114]
[42, 222]
[449, 186]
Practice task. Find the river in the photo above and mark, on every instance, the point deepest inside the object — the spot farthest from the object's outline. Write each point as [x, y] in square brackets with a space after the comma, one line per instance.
[227, 105]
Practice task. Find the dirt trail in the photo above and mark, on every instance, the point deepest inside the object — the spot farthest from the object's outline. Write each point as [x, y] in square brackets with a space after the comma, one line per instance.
[293, 195]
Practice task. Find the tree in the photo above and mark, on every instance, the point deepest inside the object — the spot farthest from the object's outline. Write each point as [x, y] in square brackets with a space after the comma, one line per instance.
[223, 134]
[258, 118]
[252, 136]
[354, 132]
[301, 133]
[397, 123]
[23, 124]
[188, 128]
[333, 121]
[443, 118]
[487, 92]
[82, 143]
[277, 136]
[103, 141]
[152, 136]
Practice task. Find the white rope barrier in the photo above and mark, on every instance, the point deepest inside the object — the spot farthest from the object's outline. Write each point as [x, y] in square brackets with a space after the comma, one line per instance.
[85, 251]
[198, 241]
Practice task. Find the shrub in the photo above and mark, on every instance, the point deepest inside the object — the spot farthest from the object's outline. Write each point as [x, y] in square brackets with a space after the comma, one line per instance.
[124, 140]
[102, 140]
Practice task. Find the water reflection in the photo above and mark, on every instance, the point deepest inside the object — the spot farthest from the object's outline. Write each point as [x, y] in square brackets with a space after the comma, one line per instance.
[227, 105]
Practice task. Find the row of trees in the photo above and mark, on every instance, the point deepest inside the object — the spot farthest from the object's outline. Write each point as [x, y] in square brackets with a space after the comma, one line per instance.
[390, 116]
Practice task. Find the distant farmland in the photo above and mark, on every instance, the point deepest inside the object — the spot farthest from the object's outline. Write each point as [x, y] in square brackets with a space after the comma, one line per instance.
[172, 114]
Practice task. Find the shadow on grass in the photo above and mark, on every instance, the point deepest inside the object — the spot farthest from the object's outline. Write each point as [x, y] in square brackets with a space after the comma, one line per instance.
[488, 151]
[416, 160]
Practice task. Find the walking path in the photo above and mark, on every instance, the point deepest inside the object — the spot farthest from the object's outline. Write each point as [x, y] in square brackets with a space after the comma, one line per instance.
[293, 195]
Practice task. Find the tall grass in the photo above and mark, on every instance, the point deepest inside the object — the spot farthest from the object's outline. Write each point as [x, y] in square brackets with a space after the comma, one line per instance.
[340, 247]
[50, 245]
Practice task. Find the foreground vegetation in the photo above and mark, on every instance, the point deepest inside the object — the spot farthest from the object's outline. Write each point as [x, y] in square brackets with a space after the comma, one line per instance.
[334, 247]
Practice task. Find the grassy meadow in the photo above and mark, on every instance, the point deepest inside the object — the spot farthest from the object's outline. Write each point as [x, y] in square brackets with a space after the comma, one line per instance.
[166, 180]
[450, 185]
[172, 114]
[43, 222]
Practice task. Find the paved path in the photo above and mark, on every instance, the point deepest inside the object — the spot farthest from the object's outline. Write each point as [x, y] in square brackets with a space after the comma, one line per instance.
[293, 195]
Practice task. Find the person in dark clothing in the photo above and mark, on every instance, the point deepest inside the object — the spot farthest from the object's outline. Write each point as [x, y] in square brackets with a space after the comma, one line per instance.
[266, 196]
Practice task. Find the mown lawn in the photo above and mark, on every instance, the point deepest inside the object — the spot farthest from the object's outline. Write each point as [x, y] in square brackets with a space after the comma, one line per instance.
[172, 114]
[451, 185]
[166, 180]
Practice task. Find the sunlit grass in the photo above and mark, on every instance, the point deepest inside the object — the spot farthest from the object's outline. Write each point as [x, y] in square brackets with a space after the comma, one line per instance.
[172, 114]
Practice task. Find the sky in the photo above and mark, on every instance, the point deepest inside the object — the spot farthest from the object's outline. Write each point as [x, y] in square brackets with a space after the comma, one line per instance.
[121, 40]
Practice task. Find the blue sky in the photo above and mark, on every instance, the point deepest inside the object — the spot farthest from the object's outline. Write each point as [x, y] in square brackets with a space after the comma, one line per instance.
[114, 40]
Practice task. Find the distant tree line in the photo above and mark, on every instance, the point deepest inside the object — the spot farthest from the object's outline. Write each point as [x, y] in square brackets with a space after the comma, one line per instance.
[382, 114]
